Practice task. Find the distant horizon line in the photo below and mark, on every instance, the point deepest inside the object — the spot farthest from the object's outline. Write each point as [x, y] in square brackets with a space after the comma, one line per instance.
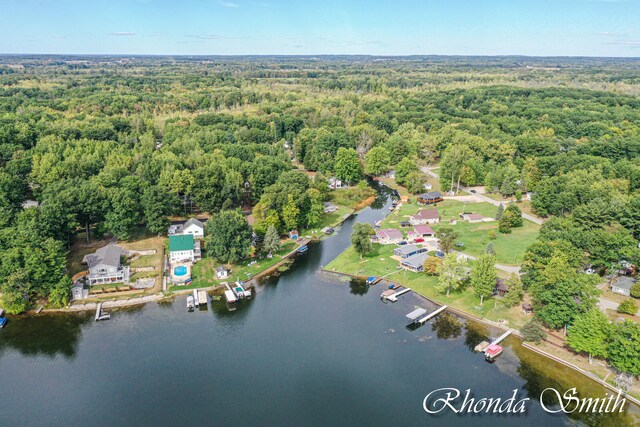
[296, 55]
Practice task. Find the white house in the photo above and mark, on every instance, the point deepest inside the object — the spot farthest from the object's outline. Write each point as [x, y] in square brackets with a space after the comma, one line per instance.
[425, 216]
[181, 248]
[105, 266]
[222, 272]
[192, 226]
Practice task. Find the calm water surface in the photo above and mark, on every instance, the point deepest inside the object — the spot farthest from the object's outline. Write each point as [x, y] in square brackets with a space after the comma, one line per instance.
[309, 349]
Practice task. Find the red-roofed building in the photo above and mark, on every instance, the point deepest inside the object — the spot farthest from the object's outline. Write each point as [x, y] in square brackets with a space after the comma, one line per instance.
[424, 230]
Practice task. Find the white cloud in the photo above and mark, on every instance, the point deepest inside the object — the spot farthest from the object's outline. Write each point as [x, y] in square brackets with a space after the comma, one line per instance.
[123, 33]
[229, 4]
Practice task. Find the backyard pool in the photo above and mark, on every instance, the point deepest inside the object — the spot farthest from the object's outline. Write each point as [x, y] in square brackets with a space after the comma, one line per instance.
[180, 270]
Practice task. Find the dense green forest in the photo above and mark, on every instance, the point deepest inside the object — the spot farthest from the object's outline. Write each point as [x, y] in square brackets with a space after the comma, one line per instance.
[110, 143]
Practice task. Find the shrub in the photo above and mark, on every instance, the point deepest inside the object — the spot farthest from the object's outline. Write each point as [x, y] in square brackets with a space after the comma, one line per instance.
[635, 290]
[628, 306]
[533, 332]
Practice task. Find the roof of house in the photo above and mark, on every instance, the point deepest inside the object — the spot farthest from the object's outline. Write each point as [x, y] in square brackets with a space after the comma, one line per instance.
[329, 205]
[389, 233]
[431, 195]
[108, 255]
[193, 221]
[183, 242]
[501, 286]
[427, 214]
[423, 229]
[222, 268]
[624, 282]
[406, 249]
[416, 260]
[473, 216]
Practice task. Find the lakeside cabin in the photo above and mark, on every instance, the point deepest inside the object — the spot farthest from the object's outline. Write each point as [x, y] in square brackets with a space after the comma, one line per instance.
[414, 263]
[425, 216]
[105, 266]
[405, 251]
[182, 248]
[430, 198]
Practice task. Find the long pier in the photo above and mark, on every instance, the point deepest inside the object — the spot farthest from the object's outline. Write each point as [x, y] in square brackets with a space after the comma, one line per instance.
[432, 314]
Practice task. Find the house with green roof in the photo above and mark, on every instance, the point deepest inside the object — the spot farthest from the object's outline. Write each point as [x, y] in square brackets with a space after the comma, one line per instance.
[182, 248]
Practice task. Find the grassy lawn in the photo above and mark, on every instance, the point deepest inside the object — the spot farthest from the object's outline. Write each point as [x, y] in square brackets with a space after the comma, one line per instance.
[329, 220]
[379, 264]
[204, 271]
[353, 197]
[509, 247]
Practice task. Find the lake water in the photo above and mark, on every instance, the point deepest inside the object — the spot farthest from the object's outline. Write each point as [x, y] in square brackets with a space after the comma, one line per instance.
[310, 349]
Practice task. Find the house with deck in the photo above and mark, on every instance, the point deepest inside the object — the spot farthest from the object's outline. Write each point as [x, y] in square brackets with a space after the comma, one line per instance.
[105, 266]
[430, 198]
[425, 216]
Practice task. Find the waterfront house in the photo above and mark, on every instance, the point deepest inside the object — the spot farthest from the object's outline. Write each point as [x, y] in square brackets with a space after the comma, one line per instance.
[405, 251]
[622, 285]
[387, 236]
[425, 216]
[222, 272]
[192, 226]
[105, 266]
[430, 197]
[414, 263]
[293, 234]
[329, 207]
[424, 230]
[182, 248]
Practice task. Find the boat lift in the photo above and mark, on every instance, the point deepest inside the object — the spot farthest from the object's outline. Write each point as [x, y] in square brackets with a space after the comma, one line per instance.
[415, 315]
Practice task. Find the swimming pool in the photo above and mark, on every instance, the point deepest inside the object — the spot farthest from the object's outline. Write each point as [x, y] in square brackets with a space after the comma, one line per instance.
[180, 270]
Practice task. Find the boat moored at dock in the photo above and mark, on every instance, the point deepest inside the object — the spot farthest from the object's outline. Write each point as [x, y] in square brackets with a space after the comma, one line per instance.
[190, 303]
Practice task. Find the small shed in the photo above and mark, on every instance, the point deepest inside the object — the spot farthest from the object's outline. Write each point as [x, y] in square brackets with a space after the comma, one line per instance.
[501, 287]
[527, 308]
[222, 272]
[293, 234]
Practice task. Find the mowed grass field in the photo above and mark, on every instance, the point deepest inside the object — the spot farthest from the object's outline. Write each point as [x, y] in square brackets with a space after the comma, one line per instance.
[379, 263]
[509, 248]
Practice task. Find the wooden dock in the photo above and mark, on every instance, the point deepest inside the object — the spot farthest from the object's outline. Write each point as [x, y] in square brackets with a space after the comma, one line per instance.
[394, 297]
[202, 297]
[432, 314]
[100, 315]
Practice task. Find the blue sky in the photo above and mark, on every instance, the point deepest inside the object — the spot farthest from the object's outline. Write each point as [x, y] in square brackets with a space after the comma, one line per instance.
[377, 27]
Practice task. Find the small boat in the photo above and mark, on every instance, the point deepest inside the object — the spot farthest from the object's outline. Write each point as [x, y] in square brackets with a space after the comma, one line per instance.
[190, 303]
[492, 352]
[3, 321]
[371, 280]
[238, 290]
[302, 249]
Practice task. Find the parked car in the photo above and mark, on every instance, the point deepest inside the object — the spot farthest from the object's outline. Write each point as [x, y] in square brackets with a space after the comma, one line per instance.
[473, 191]
[402, 243]
[459, 244]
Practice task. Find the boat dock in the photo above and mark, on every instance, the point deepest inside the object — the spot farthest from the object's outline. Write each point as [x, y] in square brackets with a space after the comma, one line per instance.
[100, 315]
[483, 346]
[415, 314]
[393, 297]
[432, 314]
[202, 297]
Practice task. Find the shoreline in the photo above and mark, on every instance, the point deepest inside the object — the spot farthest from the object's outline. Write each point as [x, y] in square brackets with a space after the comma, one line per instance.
[515, 333]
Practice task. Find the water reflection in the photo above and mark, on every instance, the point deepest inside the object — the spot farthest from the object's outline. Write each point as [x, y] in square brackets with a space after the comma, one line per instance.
[447, 326]
[358, 287]
[45, 335]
